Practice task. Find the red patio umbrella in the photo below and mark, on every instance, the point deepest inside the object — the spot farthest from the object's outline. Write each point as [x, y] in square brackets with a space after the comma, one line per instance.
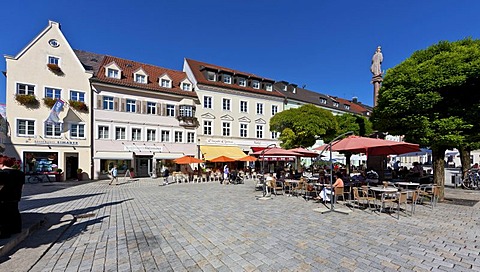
[305, 152]
[373, 146]
[187, 160]
[222, 159]
[248, 158]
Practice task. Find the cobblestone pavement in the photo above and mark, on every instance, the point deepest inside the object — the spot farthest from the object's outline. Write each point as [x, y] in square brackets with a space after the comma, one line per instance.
[141, 226]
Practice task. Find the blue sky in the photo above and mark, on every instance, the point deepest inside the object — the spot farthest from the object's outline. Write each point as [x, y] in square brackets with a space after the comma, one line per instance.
[325, 45]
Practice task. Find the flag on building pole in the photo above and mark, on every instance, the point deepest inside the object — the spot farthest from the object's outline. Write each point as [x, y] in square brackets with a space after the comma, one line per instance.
[57, 107]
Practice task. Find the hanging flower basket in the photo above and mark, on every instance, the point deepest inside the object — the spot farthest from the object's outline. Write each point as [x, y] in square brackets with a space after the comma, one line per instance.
[55, 68]
[49, 102]
[27, 100]
[78, 105]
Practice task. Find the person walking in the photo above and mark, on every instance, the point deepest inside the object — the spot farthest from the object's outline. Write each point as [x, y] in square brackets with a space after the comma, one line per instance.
[114, 173]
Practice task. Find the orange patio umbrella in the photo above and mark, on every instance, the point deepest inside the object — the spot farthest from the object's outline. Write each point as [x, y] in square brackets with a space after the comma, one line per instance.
[222, 159]
[187, 160]
[248, 159]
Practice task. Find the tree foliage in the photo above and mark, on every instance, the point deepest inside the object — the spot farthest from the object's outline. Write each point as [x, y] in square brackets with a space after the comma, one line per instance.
[360, 125]
[433, 98]
[300, 126]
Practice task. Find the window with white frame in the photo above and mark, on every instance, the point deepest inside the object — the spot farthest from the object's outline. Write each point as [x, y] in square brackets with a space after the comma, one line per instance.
[274, 109]
[207, 127]
[190, 137]
[242, 82]
[170, 110]
[113, 73]
[165, 136]
[268, 87]
[103, 132]
[244, 106]
[274, 134]
[244, 130]
[120, 133]
[186, 86]
[53, 93]
[211, 76]
[227, 79]
[131, 105]
[77, 96]
[259, 131]
[108, 103]
[53, 60]
[53, 130]
[347, 107]
[323, 101]
[186, 110]
[151, 108]
[140, 78]
[256, 84]
[335, 104]
[151, 135]
[207, 102]
[259, 108]
[136, 134]
[77, 131]
[226, 129]
[226, 104]
[25, 89]
[166, 83]
[25, 127]
[178, 136]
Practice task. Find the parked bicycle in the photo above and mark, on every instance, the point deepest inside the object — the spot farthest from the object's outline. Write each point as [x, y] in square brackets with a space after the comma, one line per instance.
[34, 179]
[471, 180]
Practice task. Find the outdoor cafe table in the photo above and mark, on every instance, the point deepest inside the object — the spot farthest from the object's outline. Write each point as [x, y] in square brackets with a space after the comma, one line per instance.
[384, 191]
[407, 184]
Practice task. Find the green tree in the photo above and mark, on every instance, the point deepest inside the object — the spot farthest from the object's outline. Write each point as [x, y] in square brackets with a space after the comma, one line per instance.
[425, 98]
[360, 125]
[301, 126]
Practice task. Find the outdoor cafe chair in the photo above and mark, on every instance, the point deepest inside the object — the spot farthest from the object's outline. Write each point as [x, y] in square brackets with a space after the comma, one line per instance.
[363, 197]
[430, 191]
[277, 186]
[401, 198]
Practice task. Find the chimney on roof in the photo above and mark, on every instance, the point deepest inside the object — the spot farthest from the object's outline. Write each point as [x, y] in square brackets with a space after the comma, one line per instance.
[355, 99]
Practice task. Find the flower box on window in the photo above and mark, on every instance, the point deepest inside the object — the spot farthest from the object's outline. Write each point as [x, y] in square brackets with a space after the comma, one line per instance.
[27, 100]
[49, 102]
[78, 105]
[55, 68]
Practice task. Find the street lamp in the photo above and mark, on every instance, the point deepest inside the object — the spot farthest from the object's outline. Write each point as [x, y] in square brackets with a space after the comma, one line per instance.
[329, 146]
[264, 184]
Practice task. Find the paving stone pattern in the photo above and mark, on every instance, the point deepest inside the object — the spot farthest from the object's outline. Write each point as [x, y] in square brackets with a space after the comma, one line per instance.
[141, 226]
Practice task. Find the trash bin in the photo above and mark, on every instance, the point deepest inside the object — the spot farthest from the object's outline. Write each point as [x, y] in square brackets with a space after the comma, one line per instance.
[456, 180]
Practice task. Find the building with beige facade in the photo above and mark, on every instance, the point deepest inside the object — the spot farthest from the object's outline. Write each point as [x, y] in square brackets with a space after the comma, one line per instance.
[46, 70]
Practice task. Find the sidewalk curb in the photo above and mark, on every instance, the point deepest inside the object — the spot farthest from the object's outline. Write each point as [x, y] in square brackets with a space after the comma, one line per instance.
[20, 237]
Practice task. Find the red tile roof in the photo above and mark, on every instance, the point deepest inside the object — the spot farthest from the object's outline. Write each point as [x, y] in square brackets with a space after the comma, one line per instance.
[353, 106]
[198, 66]
[128, 67]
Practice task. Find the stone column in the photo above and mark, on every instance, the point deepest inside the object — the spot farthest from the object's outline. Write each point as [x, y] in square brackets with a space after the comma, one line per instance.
[377, 82]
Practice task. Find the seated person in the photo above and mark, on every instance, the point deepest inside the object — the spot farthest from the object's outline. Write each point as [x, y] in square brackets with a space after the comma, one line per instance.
[327, 191]
[417, 170]
[270, 181]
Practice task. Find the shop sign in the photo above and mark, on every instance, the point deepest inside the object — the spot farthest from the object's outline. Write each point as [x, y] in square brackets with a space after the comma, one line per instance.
[55, 142]
[142, 148]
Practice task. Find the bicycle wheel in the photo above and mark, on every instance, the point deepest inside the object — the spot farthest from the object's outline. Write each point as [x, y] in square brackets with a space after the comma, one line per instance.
[33, 180]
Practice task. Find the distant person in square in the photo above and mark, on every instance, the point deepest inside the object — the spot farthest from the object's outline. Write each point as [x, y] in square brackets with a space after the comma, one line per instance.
[114, 173]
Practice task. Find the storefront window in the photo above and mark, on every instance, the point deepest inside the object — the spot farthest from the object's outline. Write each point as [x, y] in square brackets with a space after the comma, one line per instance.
[122, 166]
[40, 162]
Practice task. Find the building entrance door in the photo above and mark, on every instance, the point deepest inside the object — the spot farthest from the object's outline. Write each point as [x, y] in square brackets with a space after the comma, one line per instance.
[71, 165]
[143, 166]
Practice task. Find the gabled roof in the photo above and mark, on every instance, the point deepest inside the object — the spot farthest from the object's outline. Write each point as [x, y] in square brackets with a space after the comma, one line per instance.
[154, 73]
[354, 106]
[198, 68]
[90, 61]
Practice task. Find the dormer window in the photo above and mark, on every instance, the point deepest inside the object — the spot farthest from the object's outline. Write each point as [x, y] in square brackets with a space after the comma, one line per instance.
[186, 86]
[166, 83]
[242, 82]
[284, 88]
[255, 84]
[347, 107]
[211, 76]
[335, 104]
[113, 73]
[140, 78]
[268, 87]
[227, 79]
[323, 101]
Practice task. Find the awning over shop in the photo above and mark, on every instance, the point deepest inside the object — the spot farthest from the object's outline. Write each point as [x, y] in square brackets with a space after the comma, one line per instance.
[112, 155]
[210, 152]
[257, 148]
[167, 156]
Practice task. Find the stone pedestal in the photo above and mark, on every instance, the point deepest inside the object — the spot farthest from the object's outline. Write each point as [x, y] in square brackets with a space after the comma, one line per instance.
[377, 82]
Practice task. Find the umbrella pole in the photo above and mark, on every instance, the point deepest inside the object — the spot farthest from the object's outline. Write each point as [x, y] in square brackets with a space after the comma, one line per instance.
[332, 196]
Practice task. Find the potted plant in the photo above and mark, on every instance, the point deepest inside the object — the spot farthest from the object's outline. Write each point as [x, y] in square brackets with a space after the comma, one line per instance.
[27, 100]
[58, 175]
[78, 105]
[80, 174]
[49, 102]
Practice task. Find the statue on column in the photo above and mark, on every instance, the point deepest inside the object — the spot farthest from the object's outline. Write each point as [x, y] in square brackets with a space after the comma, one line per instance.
[377, 59]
